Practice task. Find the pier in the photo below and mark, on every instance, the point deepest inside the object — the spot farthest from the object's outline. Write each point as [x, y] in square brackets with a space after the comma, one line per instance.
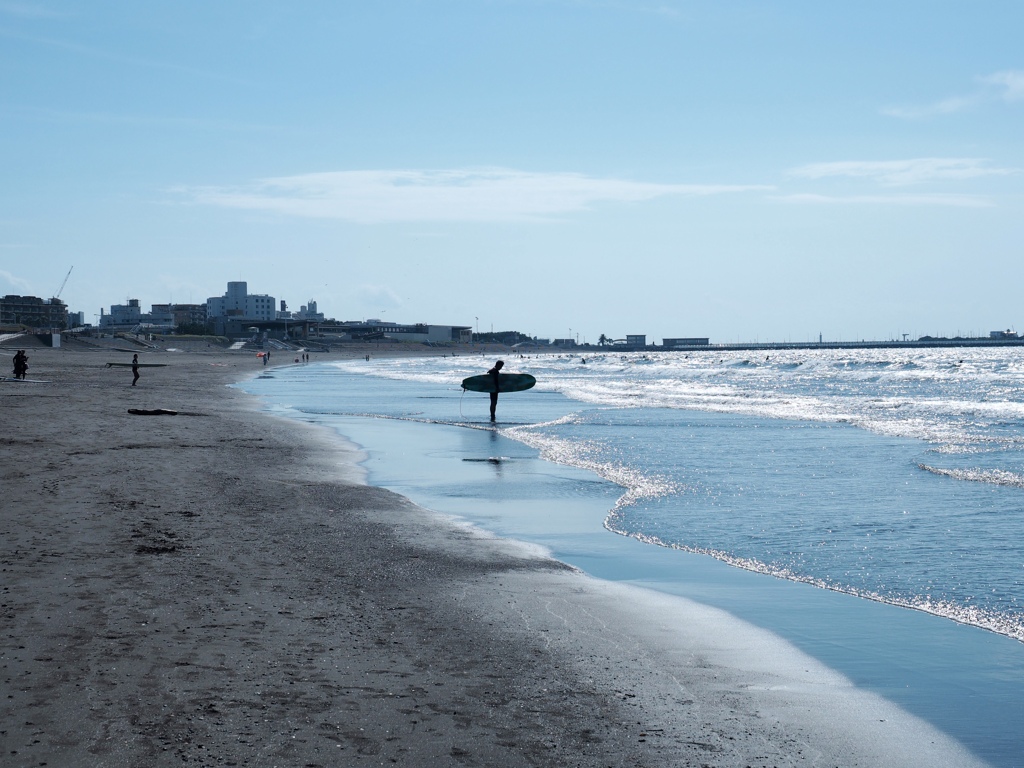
[794, 345]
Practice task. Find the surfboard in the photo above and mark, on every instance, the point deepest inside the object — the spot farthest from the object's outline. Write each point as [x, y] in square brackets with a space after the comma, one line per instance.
[507, 382]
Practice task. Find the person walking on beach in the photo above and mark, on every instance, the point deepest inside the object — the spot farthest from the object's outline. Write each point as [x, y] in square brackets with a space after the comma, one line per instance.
[495, 372]
[135, 369]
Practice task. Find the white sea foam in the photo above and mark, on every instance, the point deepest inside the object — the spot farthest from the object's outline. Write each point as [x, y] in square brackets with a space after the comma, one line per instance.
[994, 476]
[972, 615]
[959, 402]
[583, 455]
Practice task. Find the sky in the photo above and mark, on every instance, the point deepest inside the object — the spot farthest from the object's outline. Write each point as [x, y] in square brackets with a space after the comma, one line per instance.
[744, 171]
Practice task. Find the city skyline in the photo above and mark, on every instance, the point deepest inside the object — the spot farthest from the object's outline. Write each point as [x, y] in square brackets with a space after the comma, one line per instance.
[757, 171]
[284, 311]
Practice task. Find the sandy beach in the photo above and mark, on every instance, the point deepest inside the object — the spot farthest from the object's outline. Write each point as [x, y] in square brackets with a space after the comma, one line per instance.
[219, 587]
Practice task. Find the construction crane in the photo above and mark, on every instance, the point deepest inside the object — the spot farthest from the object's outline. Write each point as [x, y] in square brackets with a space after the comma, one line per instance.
[61, 289]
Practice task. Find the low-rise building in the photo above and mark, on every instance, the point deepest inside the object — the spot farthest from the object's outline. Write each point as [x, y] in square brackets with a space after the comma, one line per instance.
[178, 314]
[412, 332]
[33, 312]
[690, 341]
[161, 317]
[121, 315]
[377, 330]
[237, 302]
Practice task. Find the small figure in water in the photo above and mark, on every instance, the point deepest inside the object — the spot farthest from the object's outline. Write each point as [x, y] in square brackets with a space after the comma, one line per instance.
[495, 372]
[135, 369]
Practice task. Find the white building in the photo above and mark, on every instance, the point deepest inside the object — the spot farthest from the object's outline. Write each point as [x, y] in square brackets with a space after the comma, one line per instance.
[122, 314]
[308, 312]
[238, 302]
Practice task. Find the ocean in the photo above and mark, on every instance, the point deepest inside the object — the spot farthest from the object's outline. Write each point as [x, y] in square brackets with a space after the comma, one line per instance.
[888, 482]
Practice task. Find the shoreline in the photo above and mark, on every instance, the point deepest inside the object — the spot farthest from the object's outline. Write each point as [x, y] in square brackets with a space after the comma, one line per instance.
[190, 588]
[955, 677]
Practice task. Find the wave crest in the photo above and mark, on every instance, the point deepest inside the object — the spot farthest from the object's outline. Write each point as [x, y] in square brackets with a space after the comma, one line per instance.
[977, 475]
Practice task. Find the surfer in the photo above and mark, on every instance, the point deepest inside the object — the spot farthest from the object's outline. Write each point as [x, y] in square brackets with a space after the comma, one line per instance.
[135, 369]
[494, 373]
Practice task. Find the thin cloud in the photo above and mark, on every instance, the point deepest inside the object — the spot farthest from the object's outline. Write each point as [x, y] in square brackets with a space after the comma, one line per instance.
[29, 11]
[98, 53]
[15, 282]
[115, 118]
[1006, 86]
[1009, 83]
[491, 194]
[954, 201]
[944, 107]
[904, 172]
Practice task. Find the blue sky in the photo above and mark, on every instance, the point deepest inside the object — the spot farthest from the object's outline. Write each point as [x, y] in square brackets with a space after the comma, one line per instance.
[737, 170]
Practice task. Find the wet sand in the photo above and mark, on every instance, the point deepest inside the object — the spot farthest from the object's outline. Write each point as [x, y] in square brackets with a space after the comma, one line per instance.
[218, 588]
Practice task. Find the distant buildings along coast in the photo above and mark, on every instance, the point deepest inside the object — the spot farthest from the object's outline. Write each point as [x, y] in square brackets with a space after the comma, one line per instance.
[33, 312]
[240, 315]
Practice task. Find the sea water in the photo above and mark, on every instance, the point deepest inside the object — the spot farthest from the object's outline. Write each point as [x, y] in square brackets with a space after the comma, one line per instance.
[891, 475]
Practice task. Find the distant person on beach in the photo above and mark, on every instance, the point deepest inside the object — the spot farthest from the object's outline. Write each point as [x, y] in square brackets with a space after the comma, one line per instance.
[20, 364]
[495, 372]
[135, 369]
[266, 356]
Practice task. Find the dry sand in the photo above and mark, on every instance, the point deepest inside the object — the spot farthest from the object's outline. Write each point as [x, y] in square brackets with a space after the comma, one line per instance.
[216, 588]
